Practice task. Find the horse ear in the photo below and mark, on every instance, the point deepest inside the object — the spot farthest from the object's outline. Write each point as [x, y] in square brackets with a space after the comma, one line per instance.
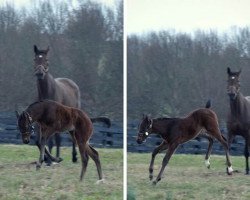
[17, 114]
[239, 72]
[35, 49]
[47, 50]
[228, 71]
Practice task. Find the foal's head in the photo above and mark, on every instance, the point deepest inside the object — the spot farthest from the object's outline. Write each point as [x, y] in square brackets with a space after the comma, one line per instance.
[41, 62]
[233, 83]
[25, 126]
[145, 129]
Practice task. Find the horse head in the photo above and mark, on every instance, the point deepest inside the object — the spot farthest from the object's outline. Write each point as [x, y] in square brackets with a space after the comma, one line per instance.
[24, 122]
[233, 83]
[41, 62]
[145, 128]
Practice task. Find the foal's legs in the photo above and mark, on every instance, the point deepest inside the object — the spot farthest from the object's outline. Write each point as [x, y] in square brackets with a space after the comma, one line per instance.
[223, 141]
[42, 149]
[209, 149]
[246, 153]
[95, 156]
[74, 152]
[82, 149]
[170, 151]
[158, 149]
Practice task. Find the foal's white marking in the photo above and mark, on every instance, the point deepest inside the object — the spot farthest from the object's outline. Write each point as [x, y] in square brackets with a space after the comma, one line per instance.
[207, 163]
[232, 77]
[146, 133]
[100, 181]
[40, 56]
[230, 169]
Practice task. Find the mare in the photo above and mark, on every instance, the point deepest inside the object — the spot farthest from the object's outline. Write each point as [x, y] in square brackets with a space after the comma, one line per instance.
[238, 122]
[53, 117]
[62, 90]
[176, 131]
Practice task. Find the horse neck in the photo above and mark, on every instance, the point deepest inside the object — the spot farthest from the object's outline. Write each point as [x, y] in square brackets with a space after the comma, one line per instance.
[159, 126]
[236, 105]
[35, 111]
[46, 87]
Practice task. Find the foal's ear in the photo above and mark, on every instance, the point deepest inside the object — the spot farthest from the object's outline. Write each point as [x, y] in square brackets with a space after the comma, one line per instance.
[35, 49]
[17, 114]
[239, 72]
[228, 71]
[47, 50]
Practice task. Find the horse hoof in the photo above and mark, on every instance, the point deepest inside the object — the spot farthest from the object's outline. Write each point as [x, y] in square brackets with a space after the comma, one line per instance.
[230, 170]
[154, 182]
[100, 181]
[74, 160]
[38, 167]
[59, 160]
[150, 177]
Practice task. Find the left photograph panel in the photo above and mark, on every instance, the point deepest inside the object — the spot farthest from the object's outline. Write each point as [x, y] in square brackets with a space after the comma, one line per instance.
[61, 99]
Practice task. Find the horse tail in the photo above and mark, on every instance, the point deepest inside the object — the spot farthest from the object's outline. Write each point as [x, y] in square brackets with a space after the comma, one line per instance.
[208, 104]
[101, 119]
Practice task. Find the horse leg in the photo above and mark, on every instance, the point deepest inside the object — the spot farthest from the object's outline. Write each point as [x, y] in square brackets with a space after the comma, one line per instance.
[209, 149]
[58, 144]
[42, 149]
[158, 149]
[224, 143]
[74, 152]
[82, 149]
[246, 153]
[95, 156]
[170, 151]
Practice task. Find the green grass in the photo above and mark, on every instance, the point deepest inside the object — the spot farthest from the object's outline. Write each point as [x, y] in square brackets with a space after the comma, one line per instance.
[20, 180]
[186, 177]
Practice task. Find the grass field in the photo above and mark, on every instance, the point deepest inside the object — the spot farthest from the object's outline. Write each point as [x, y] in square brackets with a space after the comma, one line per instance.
[186, 177]
[19, 180]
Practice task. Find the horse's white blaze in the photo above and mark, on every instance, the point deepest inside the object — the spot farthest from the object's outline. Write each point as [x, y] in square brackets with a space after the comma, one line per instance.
[207, 163]
[232, 77]
[230, 169]
[40, 56]
[146, 133]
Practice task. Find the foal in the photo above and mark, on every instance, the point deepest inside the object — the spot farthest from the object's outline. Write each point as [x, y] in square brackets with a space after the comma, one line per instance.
[175, 131]
[54, 117]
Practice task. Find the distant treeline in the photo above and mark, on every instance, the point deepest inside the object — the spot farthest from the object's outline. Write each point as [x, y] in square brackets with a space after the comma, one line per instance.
[172, 73]
[86, 45]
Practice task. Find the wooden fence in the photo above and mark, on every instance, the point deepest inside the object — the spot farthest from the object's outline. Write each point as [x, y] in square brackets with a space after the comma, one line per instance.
[103, 137]
[113, 138]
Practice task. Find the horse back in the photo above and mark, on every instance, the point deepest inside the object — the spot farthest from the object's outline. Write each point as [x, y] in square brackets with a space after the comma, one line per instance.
[67, 92]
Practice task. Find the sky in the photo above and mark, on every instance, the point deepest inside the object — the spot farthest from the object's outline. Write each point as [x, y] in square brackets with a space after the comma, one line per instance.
[186, 15]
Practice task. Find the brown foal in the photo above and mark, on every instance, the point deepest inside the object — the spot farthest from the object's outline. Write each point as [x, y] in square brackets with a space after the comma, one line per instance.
[54, 117]
[175, 131]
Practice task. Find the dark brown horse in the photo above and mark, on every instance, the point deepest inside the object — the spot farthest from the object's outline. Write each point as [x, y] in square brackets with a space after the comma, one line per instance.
[175, 131]
[238, 122]
[62, 90]
[54, 117]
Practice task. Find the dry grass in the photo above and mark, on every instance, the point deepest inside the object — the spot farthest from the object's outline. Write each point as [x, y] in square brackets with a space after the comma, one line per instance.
[20, 180]
[186, 177]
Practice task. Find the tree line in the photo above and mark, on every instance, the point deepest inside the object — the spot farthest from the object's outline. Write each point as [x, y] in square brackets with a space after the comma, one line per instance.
[86, 45]
[171, 73]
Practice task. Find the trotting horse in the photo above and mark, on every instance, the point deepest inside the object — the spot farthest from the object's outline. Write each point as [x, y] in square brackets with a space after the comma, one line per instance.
[54, 117]
[175, 131]
[238, 122]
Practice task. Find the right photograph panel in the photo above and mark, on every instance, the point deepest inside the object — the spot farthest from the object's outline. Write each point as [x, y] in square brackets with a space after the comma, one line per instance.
[188, 69]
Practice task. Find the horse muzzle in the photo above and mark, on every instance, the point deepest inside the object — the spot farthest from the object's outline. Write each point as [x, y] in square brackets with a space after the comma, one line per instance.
[232, 96]
[26, 141]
